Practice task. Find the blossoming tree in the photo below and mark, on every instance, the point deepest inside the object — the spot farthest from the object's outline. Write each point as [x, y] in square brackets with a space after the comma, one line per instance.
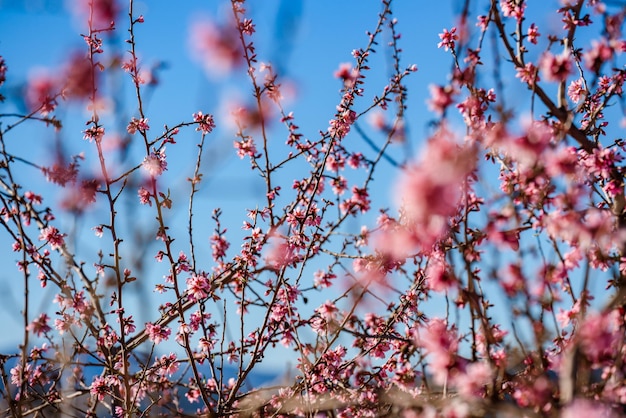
[494, 284]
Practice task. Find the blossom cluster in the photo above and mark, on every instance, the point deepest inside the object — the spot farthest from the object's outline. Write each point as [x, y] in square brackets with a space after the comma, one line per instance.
[483, 275]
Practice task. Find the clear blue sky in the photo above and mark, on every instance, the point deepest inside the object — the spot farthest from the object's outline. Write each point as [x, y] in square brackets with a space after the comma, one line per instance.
[307, 40]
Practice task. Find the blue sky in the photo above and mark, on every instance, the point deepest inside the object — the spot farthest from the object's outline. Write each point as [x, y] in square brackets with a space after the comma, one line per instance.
[306, 40]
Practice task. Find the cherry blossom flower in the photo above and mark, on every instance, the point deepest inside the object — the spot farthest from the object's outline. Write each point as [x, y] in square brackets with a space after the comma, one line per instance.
[157, 333]
[448, 39]
[135, 125]
[441, 98]
[79, 78]
[440, 278]
[533, 34]
[513, 8]
[588, 408]
[206, 124]
[359, 201]
[555, 67]
[219, 246]
[42, 92]
[471, 382]
[430, 189]
[98, 231]
[53, 237]
[441, 344]
[340, 126]
[597, 55]
[99, 388]
[3, 70]
[576, 90]
[245, 147]
[281, 253]
[103, 12]
[155, 163]
[217, 47]
[482, 22]
[598, 337]
[144, 196]
[198, 287]
[94, 133]
[528, 73]
[35, 199]
[81, 196]
[40, 325]
[348, 74]
[323, 279]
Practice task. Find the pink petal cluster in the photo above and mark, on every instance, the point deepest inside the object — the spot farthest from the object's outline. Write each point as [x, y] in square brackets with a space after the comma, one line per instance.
[217, 47]
[556, 67]
[155, 163]
[429, 191]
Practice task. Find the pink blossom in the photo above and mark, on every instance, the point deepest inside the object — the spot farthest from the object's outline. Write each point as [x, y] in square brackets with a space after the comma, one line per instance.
[528, 73]
[219, 245]
[471, 381]
[599, 54]
[99, 388]
[81, 196]
[281, 253]
[430, 190]
[533, 34]
[40, 325]
[512, 280]
[53, 237]
[340, 126]
[356, 160]
[94, 133]
[377, 120]
[441, 344]
[128, 325]
[588, 408]
[323, 279]
[198, 287]
[359, 201]
[3, 70]
[513, 8]
[218, 48]
[599, 336]
[206, 124]
[555, 67]
[157, 333]
[339, 185]
[104, 12]
[441, 98]
[448, 39]
[79, 78]
[327, 310]
[167, 365]
[135, 125]
[571, 22]
[42, 91]
[246, 147]
[482, 22]
[348, 74]
[247, 27]
[155, 163]
[593, 227]
[192, 395]
[440, 277]
[35, 199]
[576, 90]
[144, 196]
